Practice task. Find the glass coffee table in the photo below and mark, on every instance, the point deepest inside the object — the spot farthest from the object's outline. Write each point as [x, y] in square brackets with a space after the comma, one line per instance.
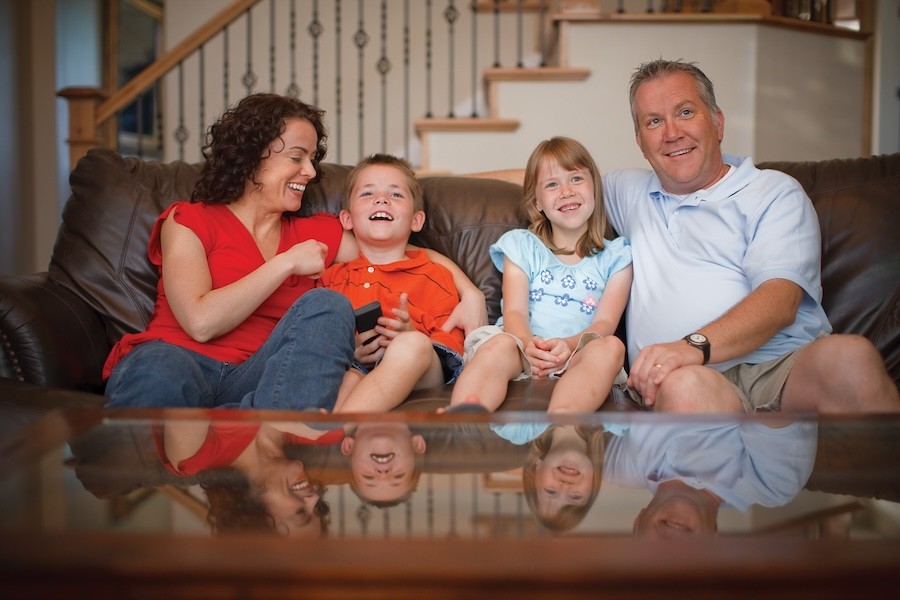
[163, 504]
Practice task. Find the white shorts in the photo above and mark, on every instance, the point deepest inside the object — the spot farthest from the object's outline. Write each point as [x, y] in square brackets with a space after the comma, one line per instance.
[478, 337]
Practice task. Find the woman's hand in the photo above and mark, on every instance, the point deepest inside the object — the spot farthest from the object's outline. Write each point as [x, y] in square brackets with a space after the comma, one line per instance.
[306, 258]
[469, 314]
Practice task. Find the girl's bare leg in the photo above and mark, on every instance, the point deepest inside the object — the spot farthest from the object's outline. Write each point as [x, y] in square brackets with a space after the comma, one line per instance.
[585, 385]
[485, 379]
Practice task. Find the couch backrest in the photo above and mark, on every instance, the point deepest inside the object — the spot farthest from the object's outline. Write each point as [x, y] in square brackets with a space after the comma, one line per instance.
[101, 249]
[858, 204]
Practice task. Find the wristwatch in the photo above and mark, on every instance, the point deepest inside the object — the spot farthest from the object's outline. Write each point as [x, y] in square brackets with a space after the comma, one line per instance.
[701, 342]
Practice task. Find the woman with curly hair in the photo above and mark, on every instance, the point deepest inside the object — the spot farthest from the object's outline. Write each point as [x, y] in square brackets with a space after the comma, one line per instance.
[250, 484]
[237, 322]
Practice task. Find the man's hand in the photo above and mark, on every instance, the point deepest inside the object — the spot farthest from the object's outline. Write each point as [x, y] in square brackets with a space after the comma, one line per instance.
[655, 362]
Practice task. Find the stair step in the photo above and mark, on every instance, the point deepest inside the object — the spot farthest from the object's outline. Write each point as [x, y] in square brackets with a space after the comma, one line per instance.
[493, 74]
[434, 124]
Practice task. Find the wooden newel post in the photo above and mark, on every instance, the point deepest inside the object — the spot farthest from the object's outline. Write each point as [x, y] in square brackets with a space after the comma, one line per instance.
[83, 128]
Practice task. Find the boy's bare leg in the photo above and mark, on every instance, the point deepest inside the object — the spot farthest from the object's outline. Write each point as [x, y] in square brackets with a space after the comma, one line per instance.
[409, 361]
[585, 385]
[351, 378]
[485, 379]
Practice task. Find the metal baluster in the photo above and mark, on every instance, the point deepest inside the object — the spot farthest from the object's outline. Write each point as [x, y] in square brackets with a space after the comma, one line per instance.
[363, 514]
[496, 33]
[406, 90]
[430, 506]
[225, 66]
[181, 132]
[342, 509]
[620, 8]
[386, 523]
[384, 67]
[360, 39]
[315, 30]
[677, 7]
[543, 32]
[428, 111]
[293, 89]
[451, 14]
[408, 512]
[249, 78]
[649, 6]
[272, 46]
[202, 95]
[519, 61]
[337, 80]
[474, 5]
[475, 486]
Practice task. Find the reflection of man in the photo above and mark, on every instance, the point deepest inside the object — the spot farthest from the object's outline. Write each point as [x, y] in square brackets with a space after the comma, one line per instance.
[694, 468]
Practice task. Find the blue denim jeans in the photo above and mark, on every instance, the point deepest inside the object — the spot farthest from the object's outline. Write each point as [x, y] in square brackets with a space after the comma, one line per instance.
[299, 367]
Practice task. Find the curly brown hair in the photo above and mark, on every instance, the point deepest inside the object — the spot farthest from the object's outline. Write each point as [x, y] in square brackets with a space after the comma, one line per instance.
[239, 140]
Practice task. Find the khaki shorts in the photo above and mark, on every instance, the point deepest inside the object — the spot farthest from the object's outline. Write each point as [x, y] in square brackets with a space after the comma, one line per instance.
[759, 386]
[478, 337]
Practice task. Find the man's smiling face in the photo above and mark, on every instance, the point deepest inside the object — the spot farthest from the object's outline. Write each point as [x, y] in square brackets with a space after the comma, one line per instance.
[678, 134]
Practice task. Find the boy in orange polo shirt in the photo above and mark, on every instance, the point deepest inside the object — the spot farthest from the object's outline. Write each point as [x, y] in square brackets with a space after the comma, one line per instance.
[407, 349]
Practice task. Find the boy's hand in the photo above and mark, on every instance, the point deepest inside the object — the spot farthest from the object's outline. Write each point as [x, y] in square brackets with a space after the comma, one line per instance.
[388, 327]
[369, 347]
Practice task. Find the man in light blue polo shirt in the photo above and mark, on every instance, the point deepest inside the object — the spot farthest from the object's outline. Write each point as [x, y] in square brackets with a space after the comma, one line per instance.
[725, 311]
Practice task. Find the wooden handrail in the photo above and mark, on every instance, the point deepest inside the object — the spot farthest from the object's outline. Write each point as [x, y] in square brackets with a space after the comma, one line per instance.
[88, 110]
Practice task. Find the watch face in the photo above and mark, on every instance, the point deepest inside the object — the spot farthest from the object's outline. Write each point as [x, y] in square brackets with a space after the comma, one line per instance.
[697, 338]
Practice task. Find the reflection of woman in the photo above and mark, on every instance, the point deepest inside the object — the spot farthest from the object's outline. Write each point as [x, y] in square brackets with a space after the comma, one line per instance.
[563, 471]
[248, 480]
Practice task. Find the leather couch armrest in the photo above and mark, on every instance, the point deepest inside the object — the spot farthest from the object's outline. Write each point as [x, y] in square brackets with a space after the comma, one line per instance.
[48, 335]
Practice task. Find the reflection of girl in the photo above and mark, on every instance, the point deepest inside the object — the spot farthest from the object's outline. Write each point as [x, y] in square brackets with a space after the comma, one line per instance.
[562, 474]
[248, 480]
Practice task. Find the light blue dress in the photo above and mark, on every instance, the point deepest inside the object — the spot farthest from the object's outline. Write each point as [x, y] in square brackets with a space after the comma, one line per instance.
[563, 298]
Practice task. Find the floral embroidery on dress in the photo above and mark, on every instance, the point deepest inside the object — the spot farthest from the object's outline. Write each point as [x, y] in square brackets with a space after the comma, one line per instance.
[546, 276]
[563, 300]
[588, 305]
[568, 282]
[589, 284]
[537, 294]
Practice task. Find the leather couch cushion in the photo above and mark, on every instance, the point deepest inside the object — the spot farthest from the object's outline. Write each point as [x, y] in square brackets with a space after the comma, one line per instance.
[858, 204]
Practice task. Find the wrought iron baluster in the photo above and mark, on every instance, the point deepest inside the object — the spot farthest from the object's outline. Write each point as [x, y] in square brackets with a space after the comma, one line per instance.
[406, 90]
[181, 132]
[249, 78]
[451, 14]
[649, 6]
[272, 46]
[475, 487]
[519, 61]
[360, 40]
[542, 23]
[474, 6]
[428, 111]
[408, 512]
[225, 72]
[497, 33]
[201, 95]
[315, 31]
[337, 80]
[620, 7]
[293, 89]
[386, 523]
[429, 503]
[384, 67]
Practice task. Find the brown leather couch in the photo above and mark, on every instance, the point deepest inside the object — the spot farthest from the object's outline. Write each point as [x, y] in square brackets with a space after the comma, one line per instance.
[57, 327]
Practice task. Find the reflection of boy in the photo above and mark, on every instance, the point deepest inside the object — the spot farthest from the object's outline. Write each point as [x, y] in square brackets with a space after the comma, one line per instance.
[408, 349]
[385, 461]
